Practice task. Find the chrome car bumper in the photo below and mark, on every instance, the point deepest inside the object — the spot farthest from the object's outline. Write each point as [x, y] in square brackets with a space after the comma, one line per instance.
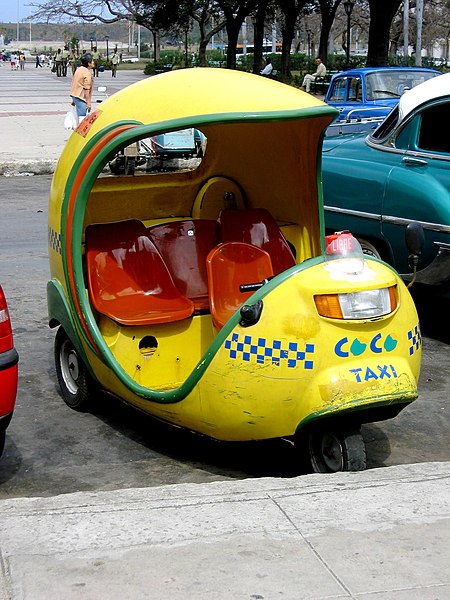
[438, 271]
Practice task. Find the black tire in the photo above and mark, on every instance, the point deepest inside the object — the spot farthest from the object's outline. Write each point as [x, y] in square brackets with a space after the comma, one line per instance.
[332, 448]
[2, 441]
[77, 386]
[368, 248]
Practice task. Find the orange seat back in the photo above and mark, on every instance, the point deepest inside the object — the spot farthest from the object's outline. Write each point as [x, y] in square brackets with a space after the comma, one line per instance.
[184, 246]
[127, 278]
[257, 226]
[229, 266]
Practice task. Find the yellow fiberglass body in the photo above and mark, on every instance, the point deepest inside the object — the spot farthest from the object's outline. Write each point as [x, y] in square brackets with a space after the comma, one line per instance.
[149, 243]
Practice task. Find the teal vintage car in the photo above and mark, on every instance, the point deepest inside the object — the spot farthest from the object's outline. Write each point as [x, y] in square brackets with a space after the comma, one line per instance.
[376, 184]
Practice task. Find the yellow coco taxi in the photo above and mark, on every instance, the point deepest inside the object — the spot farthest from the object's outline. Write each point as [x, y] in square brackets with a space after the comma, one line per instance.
[202, 290]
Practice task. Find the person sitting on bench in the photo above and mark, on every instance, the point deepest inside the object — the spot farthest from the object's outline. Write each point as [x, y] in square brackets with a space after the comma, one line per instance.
[320, 72]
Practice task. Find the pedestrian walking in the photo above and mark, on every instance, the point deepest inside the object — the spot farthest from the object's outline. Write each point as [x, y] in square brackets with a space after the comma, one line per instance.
[58, 62]
[65, 59]
[13, 61]
[96, 57]
[22, 61]
[114, 62]
[81, 86]
[73, 60]
[38, 61]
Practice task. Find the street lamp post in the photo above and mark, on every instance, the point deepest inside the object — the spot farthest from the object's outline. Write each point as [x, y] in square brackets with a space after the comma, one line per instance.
[348, 5]
[107, 47]
[308, 34]
[92, 43]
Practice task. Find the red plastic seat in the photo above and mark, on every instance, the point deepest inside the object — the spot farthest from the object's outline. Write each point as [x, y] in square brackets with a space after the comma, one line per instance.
[230, 265]
[184, 246]
[128, 280]
[257, 226]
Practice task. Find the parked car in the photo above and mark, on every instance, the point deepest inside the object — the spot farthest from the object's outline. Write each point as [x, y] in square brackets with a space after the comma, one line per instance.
[373, 92]
[376, 185]
[8, 370]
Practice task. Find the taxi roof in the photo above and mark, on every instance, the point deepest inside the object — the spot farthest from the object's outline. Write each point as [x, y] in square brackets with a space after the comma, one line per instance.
[189, 93]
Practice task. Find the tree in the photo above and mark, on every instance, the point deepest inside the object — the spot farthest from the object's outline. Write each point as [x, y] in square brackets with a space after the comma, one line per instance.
[209, 18]
[235, 11]
[290, 10]
[382, 13]
[328, 10]
[104, 11]
[143, 13]
[258, 34]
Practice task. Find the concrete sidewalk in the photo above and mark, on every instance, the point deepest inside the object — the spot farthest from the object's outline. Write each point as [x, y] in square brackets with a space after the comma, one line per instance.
[33, 104]
[381, 534]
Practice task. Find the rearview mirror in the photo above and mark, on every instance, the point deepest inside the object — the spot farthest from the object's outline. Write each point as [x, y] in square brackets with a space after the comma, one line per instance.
[414, 238]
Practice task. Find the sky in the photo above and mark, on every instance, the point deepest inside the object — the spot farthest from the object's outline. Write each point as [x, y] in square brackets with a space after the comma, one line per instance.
[10, 8]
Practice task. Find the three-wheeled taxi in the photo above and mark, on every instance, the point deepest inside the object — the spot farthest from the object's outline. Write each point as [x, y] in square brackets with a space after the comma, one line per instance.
[204, 292]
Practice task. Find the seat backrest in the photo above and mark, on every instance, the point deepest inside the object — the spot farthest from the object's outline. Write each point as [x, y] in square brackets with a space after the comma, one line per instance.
[128, 280]
[257, 226]
[230, 265]
[215, 194]
[184, 246]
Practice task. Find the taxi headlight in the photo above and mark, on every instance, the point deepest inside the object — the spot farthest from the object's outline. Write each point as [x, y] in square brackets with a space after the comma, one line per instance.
[366, 304]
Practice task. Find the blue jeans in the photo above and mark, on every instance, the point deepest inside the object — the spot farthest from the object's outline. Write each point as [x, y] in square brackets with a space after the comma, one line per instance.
[80, 105]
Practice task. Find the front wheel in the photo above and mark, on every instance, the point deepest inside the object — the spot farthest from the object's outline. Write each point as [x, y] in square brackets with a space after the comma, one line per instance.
[76, 385]
[329, 449]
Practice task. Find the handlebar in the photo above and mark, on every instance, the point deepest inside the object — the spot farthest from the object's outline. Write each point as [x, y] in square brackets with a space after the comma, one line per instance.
[251, 287]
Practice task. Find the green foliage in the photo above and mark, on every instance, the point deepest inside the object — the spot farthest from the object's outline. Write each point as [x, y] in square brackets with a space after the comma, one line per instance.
[74, 41]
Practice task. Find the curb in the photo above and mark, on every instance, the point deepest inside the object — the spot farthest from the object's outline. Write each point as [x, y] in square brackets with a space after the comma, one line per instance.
[29, 167]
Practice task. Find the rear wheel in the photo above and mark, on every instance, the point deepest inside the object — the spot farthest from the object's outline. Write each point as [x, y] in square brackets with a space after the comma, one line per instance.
[76, 385]
[329, 449]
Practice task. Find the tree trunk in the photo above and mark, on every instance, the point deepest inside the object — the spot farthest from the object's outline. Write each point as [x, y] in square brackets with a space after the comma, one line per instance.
[328, 14]
[233, 28]
[202, 52]
[157, 44]
[290, 10]
[419, 25]
[381, 14]
[258, 38]
[286, 42]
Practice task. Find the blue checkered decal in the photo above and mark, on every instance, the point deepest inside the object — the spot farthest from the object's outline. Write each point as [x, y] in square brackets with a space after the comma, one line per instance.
[262, 351]
[415, 338]
[54, 240]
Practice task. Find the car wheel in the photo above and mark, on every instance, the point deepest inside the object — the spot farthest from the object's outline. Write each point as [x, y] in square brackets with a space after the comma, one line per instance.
[368, 248]
[76, 385]
[329, 449]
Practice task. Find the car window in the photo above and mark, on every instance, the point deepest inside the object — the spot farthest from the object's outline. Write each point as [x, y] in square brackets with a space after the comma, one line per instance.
[354, 89]
[392, 84]
[434, 133]
[387, 126]
[338, 91]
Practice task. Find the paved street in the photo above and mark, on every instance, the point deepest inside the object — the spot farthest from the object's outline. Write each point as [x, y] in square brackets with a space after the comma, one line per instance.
[32, 108]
